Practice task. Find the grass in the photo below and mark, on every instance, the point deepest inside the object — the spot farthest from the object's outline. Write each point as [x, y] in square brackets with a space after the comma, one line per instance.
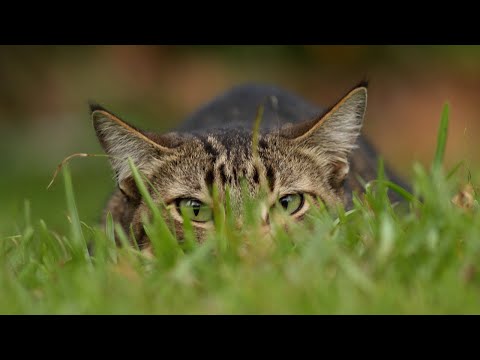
[374, 259]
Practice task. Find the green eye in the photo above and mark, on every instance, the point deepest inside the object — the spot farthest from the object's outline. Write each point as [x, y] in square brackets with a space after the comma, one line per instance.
[291, 203]
[195, 210]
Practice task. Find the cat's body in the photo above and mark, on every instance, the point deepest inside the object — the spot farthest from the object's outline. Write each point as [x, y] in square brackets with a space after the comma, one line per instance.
[302, 149]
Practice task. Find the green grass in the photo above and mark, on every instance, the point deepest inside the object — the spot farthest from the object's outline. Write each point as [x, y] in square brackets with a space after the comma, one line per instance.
[374, 259]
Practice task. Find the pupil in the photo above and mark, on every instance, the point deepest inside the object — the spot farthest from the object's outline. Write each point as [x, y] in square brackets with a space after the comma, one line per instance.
[196, 209]
[284, 202]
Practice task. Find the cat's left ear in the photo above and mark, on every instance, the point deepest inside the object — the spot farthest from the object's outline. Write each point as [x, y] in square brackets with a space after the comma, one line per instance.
[332, 136]
[121, 141]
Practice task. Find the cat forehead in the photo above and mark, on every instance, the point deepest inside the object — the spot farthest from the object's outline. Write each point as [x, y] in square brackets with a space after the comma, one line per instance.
[226, 156]
[230, 143]
[230, 149]
[230, 146]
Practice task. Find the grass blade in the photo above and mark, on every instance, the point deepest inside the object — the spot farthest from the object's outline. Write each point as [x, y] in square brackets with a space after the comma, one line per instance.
[79, 245]
[441, 138]
[164, 243]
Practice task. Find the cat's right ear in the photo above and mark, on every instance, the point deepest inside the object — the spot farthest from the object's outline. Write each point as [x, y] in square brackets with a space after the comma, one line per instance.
[121, 141]
[331, 137]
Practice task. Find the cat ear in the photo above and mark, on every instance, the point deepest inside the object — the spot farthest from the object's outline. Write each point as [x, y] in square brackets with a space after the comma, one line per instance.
[121, 141]
[333, 135]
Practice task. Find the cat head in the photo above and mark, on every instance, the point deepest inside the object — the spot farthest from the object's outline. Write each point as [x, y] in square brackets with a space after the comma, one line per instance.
[287, 166]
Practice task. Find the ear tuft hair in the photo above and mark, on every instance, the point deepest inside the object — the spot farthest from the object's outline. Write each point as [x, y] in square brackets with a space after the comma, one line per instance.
[363, 83]
[94, 106]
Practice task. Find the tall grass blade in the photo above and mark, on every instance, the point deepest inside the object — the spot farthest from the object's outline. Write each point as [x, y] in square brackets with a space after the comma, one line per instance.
[441, 138]
[79, 245]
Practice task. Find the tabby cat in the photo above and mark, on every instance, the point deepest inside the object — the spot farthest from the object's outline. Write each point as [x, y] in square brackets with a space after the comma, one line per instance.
[301, 151]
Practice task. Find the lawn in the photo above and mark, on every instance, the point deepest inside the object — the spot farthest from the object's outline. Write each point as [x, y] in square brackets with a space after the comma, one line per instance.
[378, 258]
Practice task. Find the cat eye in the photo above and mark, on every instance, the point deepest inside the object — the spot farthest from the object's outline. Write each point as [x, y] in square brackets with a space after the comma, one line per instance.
[291, 203]
[195, 210]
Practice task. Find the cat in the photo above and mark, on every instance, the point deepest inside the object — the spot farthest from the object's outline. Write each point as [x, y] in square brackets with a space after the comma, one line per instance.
[301, 151]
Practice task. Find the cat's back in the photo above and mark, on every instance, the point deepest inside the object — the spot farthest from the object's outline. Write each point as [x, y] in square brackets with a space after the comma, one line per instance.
[238, 107]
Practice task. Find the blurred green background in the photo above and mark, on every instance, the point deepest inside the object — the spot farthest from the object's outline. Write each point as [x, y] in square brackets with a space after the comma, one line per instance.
[44, 114]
